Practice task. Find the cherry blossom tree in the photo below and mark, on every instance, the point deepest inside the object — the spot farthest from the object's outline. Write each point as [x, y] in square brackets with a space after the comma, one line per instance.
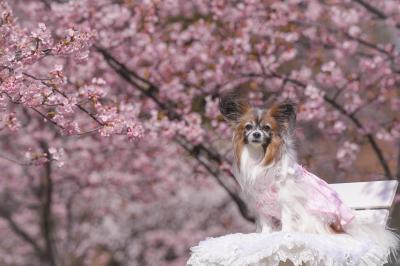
[113, 151]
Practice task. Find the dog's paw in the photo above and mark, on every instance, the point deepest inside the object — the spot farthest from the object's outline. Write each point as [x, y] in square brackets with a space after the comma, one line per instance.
[266, 230]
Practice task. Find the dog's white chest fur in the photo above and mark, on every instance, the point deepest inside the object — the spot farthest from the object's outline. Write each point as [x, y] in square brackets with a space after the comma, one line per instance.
[250, 167]
[252, 173]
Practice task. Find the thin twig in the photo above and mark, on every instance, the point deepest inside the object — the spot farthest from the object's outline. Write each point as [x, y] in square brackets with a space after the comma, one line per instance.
[47, 118]
[374, 10]
[15, 161]
[42, 80]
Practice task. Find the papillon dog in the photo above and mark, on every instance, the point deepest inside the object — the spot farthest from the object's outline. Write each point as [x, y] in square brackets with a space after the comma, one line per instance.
[283, 194]
[263, 155]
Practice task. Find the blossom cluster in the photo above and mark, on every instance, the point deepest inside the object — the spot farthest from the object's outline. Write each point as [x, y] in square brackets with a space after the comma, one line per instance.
[113, 149]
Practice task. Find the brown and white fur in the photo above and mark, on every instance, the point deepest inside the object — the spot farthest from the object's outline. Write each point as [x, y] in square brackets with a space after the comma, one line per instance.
[263, 147]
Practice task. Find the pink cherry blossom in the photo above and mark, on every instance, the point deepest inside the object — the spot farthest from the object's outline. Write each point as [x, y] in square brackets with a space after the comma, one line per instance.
[113, 150]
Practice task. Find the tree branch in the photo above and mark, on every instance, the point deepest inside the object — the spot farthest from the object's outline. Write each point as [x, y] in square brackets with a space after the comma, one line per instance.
[150, 90]
[144, 86]
[369, 45]
[22, 234]
[369, 136]
[356, 122]
[43, 81]
[370, 8]
[46, 214]
[244, 211]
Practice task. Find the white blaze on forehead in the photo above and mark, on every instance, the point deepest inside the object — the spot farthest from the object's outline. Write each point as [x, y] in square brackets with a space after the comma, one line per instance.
[258, 114]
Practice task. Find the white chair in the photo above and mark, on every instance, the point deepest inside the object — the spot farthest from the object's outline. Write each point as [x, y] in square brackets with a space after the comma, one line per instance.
[372, 200]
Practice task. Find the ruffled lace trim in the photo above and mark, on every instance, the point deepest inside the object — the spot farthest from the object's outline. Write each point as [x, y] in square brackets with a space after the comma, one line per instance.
[272, 249]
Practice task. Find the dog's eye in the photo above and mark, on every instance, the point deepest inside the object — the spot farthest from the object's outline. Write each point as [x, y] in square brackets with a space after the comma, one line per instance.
[266, 128]
[248, 127]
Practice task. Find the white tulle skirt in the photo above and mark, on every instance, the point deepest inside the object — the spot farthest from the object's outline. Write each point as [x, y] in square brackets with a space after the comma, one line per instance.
[290, 248]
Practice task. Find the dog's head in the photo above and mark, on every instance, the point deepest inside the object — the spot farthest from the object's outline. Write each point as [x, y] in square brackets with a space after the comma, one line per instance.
[268, 127]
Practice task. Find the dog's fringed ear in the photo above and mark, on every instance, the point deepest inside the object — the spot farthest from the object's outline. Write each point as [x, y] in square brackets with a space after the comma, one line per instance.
[233, 104]
[285, 114]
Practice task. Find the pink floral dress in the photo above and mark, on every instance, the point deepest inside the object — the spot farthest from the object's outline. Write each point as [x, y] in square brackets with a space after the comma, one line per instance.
[321, 200]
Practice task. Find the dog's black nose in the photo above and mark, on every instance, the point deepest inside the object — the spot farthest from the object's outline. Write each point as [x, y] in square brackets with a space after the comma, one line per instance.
[257, 135]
